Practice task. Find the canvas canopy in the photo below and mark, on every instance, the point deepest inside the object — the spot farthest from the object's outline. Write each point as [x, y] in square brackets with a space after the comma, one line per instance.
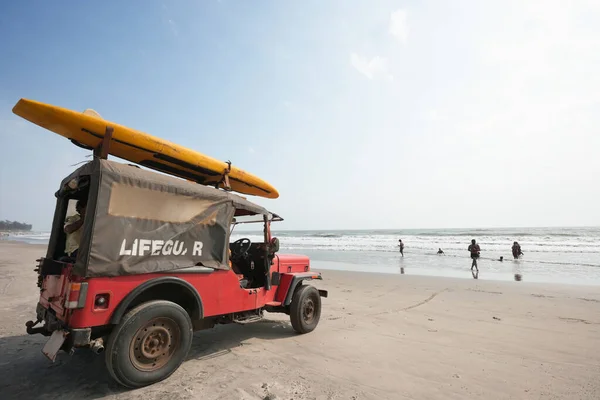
[139, 221]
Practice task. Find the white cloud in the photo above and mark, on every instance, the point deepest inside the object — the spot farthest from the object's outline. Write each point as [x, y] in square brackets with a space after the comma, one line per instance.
[399, 25]
[376, 67]
[173, 26]
[435, 116]
[250, 150]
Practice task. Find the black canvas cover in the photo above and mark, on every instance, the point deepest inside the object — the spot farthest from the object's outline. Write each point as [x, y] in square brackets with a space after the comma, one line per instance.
[139, 221]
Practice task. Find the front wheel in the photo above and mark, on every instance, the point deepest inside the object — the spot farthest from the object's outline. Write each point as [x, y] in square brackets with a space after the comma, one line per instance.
[149, 344]
[305, 310]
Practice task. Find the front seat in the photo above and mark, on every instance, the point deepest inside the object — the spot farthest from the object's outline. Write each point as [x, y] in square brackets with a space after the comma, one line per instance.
[241, 277]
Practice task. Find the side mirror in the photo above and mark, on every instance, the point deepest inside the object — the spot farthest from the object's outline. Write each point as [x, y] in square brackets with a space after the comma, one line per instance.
[274, 245]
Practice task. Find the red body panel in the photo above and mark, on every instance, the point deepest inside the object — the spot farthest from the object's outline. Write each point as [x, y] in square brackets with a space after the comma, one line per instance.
[55, 292]
[284, 285]
[219, 291]
[289, 264]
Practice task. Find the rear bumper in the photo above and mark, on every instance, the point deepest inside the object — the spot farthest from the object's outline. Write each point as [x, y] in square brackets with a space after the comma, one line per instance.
[75, 338]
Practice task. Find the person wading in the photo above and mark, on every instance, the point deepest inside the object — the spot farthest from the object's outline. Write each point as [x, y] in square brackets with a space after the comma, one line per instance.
[401, 245]
[516, 250]
[475, 251]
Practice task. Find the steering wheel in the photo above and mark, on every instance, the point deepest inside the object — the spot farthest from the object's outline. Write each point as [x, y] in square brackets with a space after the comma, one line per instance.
[240, 247]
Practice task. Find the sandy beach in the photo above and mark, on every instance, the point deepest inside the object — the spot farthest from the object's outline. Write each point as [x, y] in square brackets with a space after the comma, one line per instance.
[381, 336]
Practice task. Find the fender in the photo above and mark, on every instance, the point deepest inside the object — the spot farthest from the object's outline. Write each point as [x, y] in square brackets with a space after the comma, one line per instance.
[297, 280]
[124, 304]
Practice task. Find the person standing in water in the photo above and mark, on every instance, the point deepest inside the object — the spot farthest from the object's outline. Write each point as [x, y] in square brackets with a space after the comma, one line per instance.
[401, 245]
[475, 251]
[516, 250]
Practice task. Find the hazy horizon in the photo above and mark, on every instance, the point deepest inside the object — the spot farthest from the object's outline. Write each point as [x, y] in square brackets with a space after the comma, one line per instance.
[374, 114]
[274, 228]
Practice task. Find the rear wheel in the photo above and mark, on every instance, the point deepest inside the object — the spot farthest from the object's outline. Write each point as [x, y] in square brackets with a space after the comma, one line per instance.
[149, 344]
[305, 310]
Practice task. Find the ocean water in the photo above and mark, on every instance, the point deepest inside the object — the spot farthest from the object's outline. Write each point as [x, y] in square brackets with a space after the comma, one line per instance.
[27, 237]
[554, 255]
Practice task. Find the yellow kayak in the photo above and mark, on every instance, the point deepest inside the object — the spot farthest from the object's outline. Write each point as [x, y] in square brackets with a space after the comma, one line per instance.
[86, 129]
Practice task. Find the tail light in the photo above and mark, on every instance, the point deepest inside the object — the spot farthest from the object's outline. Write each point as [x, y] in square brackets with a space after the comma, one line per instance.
[76, 295]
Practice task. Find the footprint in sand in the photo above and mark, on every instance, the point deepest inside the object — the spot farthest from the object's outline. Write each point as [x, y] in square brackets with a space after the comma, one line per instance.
[542, 296]
[593, 300]
[577, 320]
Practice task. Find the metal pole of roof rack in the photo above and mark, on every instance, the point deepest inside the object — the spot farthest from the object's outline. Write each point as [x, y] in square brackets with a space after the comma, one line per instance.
[103, 148]
[225, 178]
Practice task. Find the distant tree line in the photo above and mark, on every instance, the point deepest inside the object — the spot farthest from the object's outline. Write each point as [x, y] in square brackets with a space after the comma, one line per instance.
[7, 225]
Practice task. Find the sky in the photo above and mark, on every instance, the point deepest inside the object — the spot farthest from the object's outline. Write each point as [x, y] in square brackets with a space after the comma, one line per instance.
[363, 114]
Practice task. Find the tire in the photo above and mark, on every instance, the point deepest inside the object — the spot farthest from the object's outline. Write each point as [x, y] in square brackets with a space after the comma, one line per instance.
[164, 330]
[305, 310]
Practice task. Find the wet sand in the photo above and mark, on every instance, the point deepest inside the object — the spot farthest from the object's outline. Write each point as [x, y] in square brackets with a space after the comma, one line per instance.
[381, 336]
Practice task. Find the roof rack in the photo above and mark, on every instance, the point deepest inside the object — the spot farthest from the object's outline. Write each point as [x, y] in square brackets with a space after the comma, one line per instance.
[103, 148]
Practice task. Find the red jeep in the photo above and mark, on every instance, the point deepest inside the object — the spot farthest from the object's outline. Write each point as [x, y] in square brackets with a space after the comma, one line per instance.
[154, 264]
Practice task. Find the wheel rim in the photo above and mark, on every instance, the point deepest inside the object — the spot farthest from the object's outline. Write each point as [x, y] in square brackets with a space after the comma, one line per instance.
[154, 343]
[308, 310]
